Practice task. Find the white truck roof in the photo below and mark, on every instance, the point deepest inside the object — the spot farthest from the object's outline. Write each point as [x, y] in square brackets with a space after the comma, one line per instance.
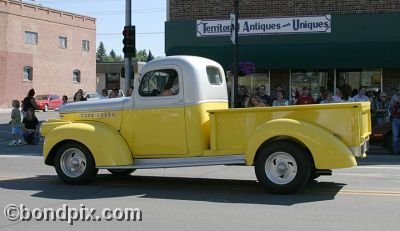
[202, 79]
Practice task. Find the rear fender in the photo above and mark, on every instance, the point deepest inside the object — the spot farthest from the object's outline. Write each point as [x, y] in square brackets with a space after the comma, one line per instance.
[104, 142]
[327, 150]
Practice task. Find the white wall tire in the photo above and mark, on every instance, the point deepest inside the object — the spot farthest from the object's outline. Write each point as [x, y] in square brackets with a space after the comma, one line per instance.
[283, 167]
[74, 163]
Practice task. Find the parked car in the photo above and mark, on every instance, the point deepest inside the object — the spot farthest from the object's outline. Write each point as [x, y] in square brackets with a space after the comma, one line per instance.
[382, 135]
[48, 101]
[91, 95]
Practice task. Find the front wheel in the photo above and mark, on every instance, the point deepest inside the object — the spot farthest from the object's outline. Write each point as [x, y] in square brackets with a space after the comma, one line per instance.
[74, 163]
[121, 172]
[283, 167]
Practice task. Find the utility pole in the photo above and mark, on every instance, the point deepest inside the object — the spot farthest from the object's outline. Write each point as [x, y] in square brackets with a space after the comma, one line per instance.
[235, 40]
[128, 60]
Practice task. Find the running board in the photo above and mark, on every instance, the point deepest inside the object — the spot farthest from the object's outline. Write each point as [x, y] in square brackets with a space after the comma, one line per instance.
[324, 172]
[182, 162]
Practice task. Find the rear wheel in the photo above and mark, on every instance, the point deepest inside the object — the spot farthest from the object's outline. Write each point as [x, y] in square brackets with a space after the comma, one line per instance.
[121, 172]
[46, 108]
[283, 167]
[75, 164]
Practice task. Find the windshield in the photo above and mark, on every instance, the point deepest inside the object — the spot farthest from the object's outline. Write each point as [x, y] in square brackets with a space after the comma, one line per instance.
[42, 97]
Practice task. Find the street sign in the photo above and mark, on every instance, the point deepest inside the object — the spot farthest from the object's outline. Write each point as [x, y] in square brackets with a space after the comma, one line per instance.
[232, 18]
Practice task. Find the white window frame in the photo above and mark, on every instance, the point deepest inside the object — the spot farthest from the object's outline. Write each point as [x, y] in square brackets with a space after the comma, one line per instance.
[31, 37]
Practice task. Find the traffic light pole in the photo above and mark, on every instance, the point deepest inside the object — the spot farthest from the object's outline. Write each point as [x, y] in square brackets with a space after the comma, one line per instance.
[128, 61]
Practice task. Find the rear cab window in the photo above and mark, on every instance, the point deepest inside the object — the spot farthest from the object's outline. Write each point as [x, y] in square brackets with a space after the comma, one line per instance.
[214, 75]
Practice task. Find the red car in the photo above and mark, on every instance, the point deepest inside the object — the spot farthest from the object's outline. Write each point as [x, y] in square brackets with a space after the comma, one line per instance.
[382, 134]
[46, 102]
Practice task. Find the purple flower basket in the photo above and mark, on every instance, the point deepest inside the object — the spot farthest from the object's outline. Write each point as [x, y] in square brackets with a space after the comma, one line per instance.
[245, 68]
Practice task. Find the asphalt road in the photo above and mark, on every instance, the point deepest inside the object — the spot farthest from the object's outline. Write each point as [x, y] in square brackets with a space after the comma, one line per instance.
[203, 198]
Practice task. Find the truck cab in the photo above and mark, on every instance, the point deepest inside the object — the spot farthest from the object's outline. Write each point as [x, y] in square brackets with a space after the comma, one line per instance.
[178, 116]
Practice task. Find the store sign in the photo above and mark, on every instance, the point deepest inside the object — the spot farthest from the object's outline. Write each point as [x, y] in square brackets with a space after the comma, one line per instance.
[312, 24]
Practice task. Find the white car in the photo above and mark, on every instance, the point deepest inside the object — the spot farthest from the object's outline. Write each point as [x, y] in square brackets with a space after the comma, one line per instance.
[91, 95]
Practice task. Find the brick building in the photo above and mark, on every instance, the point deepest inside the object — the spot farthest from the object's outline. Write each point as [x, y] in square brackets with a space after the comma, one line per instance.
[298, 43]
[46, 49]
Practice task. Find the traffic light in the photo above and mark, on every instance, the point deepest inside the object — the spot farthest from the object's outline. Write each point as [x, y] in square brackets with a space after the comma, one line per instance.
[129, 42]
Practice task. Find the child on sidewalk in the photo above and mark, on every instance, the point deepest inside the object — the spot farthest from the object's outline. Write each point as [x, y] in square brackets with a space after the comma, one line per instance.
[16, 123]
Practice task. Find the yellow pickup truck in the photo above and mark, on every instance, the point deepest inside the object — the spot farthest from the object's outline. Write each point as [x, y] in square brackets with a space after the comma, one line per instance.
[178, 116]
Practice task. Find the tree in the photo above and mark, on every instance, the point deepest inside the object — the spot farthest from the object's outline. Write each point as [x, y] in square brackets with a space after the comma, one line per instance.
[107, 59]
[141, 55]
[149, 57]
[112, 54]
[119, 58]
[101, 52]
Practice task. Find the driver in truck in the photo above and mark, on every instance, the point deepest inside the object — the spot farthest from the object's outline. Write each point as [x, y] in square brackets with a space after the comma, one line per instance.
[173, 90]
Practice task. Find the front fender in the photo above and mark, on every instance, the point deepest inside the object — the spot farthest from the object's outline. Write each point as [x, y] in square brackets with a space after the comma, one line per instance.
[326, 149]
[104, 142]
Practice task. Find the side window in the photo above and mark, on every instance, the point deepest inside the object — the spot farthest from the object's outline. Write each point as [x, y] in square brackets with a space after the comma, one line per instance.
[214, 76]
[159, 83]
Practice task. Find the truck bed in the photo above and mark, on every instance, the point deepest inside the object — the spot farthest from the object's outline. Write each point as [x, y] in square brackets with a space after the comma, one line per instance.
[230, 129]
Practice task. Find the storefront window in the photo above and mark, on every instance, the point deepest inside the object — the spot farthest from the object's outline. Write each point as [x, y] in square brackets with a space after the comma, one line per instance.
[253, 83]
[112, 80]
[317, 81]
[354, 79]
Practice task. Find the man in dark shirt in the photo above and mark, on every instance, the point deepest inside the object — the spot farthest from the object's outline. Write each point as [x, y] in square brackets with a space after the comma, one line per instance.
[266, 99]
[242, 97]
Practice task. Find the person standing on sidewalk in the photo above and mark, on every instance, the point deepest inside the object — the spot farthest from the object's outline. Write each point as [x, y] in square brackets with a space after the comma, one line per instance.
[395, 115]
[16, 123]
[29, 102]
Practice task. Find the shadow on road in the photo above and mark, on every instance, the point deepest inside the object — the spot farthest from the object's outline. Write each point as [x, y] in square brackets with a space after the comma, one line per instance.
[175, 188]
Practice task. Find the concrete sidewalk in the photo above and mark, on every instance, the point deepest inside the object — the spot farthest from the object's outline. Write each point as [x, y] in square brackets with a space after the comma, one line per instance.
[5, 109]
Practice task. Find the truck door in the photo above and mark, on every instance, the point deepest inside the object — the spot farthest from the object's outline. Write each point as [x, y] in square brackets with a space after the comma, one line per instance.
[159, 114]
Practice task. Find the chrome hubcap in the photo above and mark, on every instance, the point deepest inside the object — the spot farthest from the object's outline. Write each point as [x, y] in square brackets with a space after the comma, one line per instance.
[73, 162]
[281, 168]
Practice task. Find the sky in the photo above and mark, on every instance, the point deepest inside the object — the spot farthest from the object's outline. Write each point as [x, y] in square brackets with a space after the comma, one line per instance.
[148, 16]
